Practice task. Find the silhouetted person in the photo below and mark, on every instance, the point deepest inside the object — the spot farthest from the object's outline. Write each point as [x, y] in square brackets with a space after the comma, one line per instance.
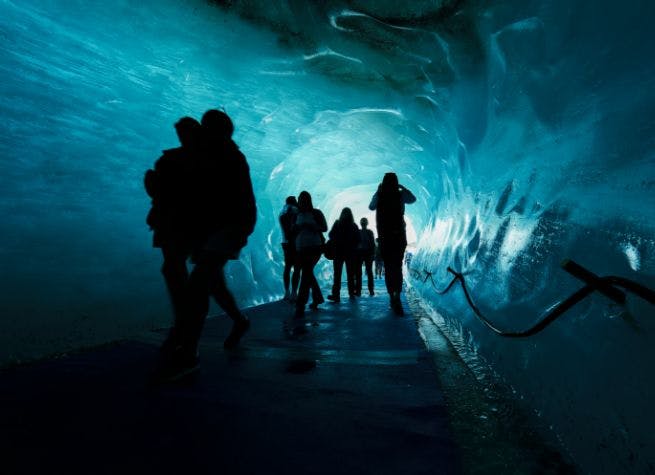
[222, 213]
[168, 185]
[310, 226]
[389, 203]
[379, 263]
[345, 238]
[365, 255]
[287, 220]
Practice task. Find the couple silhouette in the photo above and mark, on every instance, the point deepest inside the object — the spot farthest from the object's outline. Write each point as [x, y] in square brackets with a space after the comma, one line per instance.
[203, 210]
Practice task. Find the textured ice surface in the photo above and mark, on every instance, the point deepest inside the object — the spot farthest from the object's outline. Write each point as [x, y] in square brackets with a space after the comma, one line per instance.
[526, 130]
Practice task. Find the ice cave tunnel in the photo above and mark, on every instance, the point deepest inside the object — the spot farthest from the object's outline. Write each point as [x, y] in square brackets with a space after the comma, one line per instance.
[526, 128]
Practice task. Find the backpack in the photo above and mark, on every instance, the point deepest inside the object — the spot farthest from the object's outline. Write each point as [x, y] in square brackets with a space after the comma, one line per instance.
[165, 184]
[329, 250]
[390, 217]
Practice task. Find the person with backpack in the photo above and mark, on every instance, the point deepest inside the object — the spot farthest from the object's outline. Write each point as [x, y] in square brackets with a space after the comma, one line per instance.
[309, 228]
[287, 220]
[365, 255]
[222, 213]
[344, 235]
[168, 184]
[389, 204]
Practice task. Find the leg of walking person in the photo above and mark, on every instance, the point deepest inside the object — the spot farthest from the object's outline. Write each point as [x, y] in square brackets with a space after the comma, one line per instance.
[208, 278]
[308, 259]
[386, 252]
[350, 276]
[305, 283]
[223, 296]
[176, 275]
[358, 274]
[388, 274]
[397, 277]
[202, 283]
[336, 284]
[225, 299]
[182, 360]
[392, 254]
[317, 295]
[368, 263]
[398, 271]
[288, 263]
[295, 277]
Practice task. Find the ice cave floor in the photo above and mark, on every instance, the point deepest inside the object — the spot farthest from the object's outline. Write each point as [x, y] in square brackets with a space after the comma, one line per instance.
[357, 393]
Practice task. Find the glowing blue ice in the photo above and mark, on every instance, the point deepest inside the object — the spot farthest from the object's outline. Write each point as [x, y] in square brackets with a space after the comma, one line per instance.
[525, 129]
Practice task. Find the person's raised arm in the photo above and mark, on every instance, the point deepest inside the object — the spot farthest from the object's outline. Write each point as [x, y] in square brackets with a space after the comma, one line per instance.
[406, 195]
[374, 202]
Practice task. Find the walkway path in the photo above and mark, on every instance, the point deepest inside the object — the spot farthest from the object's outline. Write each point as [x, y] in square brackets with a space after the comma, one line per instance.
[356, 394]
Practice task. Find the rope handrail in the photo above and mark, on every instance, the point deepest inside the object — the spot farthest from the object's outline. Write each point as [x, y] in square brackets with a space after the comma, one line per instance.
[606, 285]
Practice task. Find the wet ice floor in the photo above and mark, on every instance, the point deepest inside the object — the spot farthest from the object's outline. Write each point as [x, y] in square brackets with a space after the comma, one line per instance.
[493, 432]
[356, 392]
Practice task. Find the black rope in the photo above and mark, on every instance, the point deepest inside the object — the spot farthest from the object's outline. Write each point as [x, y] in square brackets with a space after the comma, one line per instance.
[428, 275]
[602, 284]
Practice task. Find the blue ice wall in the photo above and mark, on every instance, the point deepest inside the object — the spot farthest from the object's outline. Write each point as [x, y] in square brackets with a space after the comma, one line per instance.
[89, 95]
[525, 128]
[562, 164]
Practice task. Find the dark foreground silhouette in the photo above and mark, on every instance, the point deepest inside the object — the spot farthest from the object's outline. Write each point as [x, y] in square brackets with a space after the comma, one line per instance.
[203, 208]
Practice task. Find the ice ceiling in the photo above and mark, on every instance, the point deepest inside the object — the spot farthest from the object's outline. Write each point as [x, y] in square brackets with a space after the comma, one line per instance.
[525, 128]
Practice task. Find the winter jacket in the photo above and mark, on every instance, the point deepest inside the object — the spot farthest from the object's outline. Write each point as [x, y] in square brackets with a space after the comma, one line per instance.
[345, 237]
[309, 226]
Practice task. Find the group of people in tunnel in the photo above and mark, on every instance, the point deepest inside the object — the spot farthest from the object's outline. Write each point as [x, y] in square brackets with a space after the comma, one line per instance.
[347, 245]
[203, 211]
